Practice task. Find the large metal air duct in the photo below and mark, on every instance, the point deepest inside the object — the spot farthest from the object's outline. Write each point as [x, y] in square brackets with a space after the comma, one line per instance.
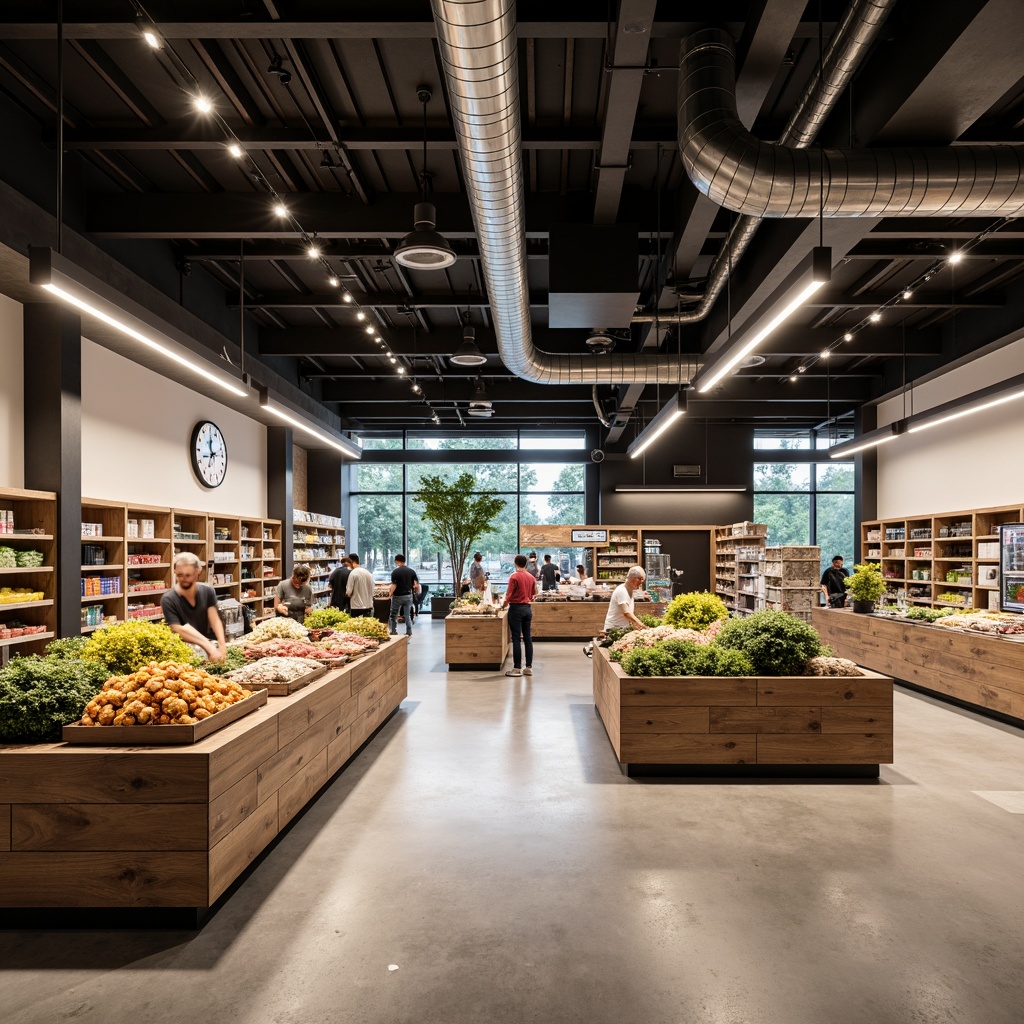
[762, 179]
[477, 40]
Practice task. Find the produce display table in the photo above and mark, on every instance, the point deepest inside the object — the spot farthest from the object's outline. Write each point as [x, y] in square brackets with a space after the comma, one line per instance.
[984, 671]
[750, 725]
[476, 641]
[578, 620]
[175, 826]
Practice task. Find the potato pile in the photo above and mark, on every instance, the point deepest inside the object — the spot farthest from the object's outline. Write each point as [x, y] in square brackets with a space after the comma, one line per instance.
[162, 693]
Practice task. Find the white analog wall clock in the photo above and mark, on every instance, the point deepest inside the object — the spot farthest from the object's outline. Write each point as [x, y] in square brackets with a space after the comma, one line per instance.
[209, 454]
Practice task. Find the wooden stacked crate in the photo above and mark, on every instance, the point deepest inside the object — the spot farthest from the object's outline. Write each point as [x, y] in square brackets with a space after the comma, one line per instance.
[791, 577]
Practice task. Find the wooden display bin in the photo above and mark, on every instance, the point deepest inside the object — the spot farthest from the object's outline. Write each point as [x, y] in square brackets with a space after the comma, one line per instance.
[476, 641]
[752, 725]
[578, 620]
[173, 827]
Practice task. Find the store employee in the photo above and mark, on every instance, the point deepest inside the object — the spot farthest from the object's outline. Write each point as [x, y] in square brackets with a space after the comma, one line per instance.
[620, 607]
[833, 583]
[190, 608]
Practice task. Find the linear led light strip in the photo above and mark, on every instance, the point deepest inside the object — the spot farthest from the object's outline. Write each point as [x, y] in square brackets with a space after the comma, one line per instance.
[73, 300]
[351, 449]
[655, 434]
[667, 415]
[917, 427]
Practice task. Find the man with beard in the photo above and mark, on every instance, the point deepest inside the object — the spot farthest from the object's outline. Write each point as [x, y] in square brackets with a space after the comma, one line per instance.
[190, 608]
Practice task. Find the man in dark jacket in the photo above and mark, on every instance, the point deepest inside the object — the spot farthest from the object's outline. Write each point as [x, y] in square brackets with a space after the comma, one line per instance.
[832, 583]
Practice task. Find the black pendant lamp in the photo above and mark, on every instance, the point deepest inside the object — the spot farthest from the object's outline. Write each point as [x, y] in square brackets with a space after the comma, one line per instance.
[467, 354]
[424, 248]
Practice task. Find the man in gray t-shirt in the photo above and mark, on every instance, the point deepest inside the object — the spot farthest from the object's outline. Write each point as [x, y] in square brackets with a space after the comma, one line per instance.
[294, 597]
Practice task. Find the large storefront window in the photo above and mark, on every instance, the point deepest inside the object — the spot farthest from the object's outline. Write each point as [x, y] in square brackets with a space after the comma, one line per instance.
[804, 502]
[386, 518]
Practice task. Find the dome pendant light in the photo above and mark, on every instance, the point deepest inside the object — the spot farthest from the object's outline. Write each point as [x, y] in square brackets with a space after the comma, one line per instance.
[424, 248]
[467, 354]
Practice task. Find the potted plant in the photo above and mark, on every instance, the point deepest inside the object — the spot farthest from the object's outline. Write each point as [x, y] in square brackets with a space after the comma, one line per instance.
[456, 516]
[866, 586]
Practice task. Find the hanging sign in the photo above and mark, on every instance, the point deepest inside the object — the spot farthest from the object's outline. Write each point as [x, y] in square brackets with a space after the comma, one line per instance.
[589, 536]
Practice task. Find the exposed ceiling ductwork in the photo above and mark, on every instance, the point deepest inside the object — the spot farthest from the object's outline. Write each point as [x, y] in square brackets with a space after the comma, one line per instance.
[477, 40]
[762, 179]
[853, 38]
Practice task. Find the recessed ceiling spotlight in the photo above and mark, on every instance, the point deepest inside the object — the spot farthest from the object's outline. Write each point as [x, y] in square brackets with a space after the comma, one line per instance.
[875, 317]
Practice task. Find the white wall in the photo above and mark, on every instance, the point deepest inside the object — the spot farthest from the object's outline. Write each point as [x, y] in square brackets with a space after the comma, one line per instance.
[973, 462]
[136, 428]
[12, 384]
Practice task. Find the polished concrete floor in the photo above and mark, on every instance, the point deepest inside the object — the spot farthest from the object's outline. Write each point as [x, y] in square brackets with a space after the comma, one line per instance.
[486, 845]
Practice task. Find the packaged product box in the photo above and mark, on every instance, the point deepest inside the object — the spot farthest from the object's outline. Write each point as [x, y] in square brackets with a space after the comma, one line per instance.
[133, 527]
[148, 528]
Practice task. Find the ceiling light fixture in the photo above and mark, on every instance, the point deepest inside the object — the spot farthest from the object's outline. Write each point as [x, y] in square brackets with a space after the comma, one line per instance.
[370, 329]
[875, 317]
[669, 413]
[986, 398]
[347, 297]
[954, 258]
[333, 281]
[907, 293]
[80, 289]
[847, 336]
[813, 272]
[869, 439]
[202, 104]
[280, 210]
[360, 315]
[401, 370]
[313, 252]
[696, 489]
[424, 248]
[236, 151]
[153, 40]
[468, 354]
[825, 353]
[346, 445]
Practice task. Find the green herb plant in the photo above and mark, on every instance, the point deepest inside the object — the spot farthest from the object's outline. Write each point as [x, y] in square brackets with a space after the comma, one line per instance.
[128, 646]
[776, 644]
[326, 618]
[866, 583]
[38, 695]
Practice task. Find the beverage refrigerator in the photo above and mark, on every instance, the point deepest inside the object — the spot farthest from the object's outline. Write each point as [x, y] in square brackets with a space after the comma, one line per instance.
[1011, 567]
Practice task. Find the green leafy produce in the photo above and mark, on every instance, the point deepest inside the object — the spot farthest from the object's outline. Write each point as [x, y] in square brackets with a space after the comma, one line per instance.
[649, 661]
[70, 647]
[650, 620]
[325, 618]
[710, 660]
[280, 628]
[777, 644]
[366, 626]
[617, 632]
[39, 695]
[234, 658]
[8, 558]
[928, 614]
[867, 582]
[128, 646]
[472, 597]
[30, 559]
[696, 610]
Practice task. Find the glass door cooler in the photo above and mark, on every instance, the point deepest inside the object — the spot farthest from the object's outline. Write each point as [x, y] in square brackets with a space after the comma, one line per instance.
[1011, 567]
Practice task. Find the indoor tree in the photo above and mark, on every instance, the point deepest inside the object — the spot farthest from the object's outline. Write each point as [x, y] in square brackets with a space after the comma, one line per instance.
[456, 516]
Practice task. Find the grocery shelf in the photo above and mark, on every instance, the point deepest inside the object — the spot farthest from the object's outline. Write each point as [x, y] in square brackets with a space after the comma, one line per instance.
[26, 639]
[187, 540]
[100, 597]
[100, 568]
[142, 540]
[38, 568]
[249, 600]
[147, 593]
[10, 606]
[97, 540]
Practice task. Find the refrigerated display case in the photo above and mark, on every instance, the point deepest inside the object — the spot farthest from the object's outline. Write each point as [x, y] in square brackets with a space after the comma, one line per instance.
[1011, 567]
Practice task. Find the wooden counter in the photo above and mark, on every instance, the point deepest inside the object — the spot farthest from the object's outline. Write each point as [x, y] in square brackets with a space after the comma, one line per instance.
[578, 620]
[175, 826]
[476, 641]
[984, 671]
[767, 724]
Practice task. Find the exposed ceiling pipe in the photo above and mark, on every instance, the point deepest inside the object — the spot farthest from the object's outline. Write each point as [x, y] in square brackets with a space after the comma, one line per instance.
[761, 179]
[601, 418]
[479, 54]
[853, 37]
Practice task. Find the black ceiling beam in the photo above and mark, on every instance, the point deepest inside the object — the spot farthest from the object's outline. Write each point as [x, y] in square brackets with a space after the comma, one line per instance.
[249, 216]
[940, 228]
[874, 341]
[910, 248]
[297, 135]
[919, 300]
[395, 390]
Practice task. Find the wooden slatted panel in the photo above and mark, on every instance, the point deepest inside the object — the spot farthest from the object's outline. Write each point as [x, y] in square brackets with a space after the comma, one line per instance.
[679, 748]
[5, 827]
[240, 847]
[301, 787]
[339, 751]
[91, 827]
[862, 718]
[739, 691]
[322, 699]
[238, 755]
[60, 774]
[835, 749]
[666, 720]
[291, 758]
[102, 879]
[230, 808]
[607, 699]
[804, 691]
[475, 639]
[765, 720]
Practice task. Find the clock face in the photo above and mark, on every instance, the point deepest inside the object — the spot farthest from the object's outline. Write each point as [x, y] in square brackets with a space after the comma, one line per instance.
[209, 454]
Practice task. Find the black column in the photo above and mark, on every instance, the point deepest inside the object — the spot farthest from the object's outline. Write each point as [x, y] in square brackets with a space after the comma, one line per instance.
[279, 489]
[323, 482]
[53, 441]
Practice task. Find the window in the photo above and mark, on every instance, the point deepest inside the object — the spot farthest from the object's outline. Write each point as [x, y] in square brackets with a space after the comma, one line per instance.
[386, 519]
[804, 502]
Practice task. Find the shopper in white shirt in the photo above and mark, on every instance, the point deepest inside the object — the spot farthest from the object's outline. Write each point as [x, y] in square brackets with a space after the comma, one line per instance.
[582, 579]
[620, 607]
[359, 589]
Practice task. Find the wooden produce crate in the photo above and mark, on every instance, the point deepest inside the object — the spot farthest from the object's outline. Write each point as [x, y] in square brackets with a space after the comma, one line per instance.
[795, 599]
[283, 689]
[161, 735]
[804, 572]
